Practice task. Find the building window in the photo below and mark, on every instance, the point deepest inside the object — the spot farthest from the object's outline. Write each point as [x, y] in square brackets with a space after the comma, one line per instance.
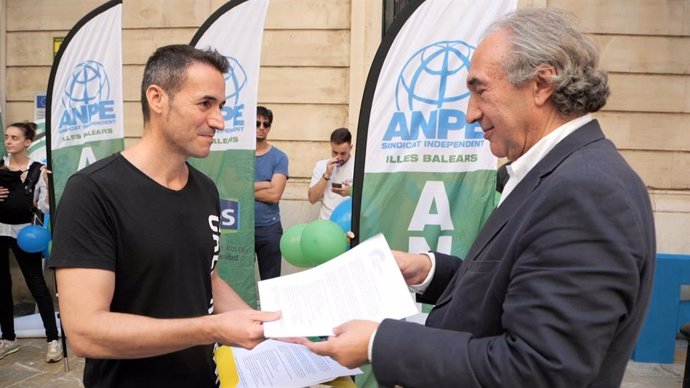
[391, 8]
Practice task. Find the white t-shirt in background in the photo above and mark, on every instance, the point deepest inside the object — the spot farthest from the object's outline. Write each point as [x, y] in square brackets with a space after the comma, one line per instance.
[341, 174]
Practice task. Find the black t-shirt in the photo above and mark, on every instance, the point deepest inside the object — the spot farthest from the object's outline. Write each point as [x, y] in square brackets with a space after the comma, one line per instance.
[160, 243]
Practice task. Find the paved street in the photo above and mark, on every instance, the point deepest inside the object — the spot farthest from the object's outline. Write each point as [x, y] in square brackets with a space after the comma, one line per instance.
[26, 369]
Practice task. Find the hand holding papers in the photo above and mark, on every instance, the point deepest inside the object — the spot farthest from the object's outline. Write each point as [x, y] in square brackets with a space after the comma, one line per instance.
[362, 283]
[276, 364]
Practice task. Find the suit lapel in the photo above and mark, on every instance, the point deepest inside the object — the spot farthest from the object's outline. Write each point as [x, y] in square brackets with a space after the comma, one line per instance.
[588, 133]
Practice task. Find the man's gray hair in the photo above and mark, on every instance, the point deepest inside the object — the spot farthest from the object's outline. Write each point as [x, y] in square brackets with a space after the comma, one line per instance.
[553, 37]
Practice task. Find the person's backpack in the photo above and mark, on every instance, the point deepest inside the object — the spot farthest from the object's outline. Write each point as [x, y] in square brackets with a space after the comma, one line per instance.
[18, 207]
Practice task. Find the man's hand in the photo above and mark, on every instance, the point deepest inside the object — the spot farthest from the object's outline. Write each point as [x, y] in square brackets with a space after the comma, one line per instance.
[3, 193]
[414, 267]
[350, 344]
[242, 328]
[333, 163]
[343, 190]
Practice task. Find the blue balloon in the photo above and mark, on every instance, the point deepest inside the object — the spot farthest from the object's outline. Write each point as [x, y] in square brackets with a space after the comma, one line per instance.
[33, 238]
[342, 215]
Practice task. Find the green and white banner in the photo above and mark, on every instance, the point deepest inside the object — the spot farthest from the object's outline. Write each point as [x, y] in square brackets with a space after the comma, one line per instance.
[84, 114]
[429, 178]
[236, 31]
[424, 177]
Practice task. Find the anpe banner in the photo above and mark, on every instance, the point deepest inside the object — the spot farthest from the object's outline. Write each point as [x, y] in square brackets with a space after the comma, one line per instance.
[84, 113]
[427, 177]
[236, 31]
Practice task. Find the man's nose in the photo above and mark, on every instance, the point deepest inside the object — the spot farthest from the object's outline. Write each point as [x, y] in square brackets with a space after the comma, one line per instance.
[216, 121]
[473, 112]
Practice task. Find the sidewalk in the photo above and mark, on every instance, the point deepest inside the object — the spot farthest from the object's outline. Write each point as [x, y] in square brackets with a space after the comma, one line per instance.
[26, 369]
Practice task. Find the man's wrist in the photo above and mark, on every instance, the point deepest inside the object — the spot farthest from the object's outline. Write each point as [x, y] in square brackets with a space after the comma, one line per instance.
[421, 287]
[326, 177]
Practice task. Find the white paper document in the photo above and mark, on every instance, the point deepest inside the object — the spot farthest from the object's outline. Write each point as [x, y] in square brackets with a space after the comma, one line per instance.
[279, 364]
[362, 283]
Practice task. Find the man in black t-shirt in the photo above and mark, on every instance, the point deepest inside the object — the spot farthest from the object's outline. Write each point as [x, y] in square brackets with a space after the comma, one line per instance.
[137, 239]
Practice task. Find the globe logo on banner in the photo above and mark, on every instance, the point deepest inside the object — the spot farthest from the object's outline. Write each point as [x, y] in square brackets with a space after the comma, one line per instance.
[235, 82]
[428, 91]
[433, 74]
[87, 84]
[86, 97]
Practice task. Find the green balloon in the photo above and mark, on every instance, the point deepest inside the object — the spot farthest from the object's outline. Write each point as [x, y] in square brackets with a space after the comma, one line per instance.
[290, 246]
[322, 240]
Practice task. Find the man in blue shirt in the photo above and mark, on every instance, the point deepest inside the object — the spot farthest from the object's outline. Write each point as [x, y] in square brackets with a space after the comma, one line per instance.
[269, 184]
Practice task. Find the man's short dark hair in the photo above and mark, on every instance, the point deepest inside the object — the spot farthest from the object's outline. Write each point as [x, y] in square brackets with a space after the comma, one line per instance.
[167, 68]
[263, 111]
[340, 136]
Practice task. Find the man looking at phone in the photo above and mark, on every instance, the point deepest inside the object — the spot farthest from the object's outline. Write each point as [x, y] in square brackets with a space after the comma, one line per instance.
[332, 178]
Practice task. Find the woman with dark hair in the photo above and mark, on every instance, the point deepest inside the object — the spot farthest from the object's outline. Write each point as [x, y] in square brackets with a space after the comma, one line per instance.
[18, 138]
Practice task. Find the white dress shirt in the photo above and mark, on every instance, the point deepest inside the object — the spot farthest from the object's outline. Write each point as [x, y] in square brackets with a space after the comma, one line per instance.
[525, 163]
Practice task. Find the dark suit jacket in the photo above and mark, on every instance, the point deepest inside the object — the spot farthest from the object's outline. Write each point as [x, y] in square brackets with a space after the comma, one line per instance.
[553, 291]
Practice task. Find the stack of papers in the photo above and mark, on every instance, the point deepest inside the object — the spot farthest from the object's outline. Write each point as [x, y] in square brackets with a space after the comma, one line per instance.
[277, 364]
[362, 283]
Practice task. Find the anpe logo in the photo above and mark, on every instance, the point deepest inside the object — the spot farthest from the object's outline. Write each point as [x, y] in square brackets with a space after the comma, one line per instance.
[429, 87]
[229, 215]
[86, 98]
[87, 84]
[442, 64]
[235, 82]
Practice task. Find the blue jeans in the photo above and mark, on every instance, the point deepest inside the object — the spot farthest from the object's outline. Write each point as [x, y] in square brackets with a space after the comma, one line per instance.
[267, 248]
[31, 266]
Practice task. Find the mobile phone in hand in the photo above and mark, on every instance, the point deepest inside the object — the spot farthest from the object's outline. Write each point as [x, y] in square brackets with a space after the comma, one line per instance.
[337, 185]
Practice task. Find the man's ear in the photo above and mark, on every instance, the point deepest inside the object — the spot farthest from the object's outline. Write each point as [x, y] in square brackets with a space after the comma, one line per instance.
[157, 98]
[543, 87]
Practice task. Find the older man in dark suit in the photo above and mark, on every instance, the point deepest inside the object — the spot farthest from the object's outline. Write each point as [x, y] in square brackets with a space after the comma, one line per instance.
[554, 290]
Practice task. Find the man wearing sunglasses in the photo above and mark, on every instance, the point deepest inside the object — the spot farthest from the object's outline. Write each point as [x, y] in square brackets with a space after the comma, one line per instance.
[271, 175]
[331, 179]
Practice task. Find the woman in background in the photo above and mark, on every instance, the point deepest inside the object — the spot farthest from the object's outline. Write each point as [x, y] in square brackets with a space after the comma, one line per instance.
[18, 138]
